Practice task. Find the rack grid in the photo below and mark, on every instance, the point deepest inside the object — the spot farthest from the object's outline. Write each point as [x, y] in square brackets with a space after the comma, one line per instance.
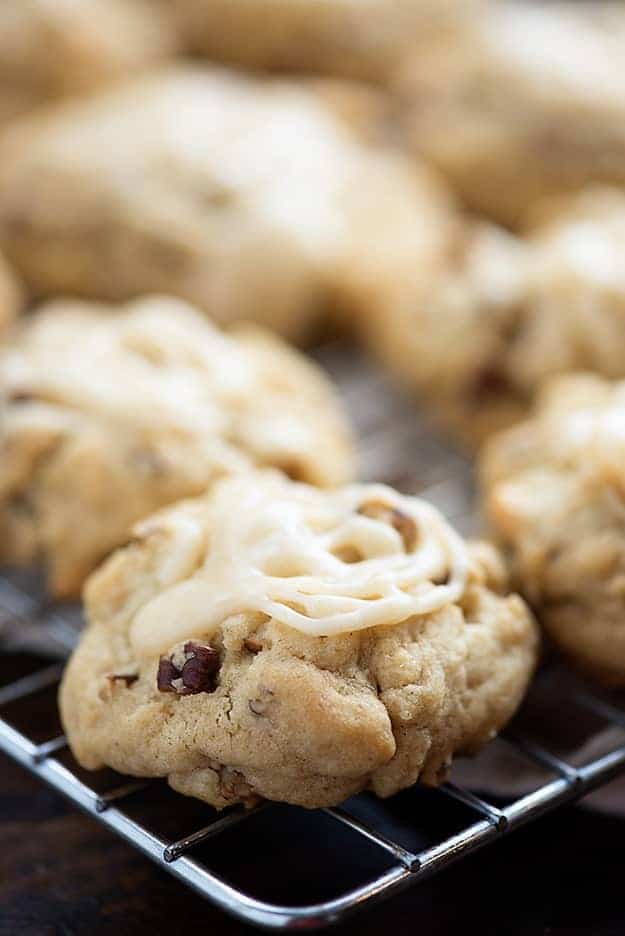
[407, 867]
[487, 817]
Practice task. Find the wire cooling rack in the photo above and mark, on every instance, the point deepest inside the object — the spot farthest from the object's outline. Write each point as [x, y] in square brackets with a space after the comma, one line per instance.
[367, 849]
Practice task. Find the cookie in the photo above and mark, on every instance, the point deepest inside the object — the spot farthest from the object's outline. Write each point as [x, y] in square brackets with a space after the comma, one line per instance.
[443, 331]
[554, 494]
[173, 184]
[499, 314]
[108, 414]
[524, 101]
[51, 49]
[274, 640]
[336, 37]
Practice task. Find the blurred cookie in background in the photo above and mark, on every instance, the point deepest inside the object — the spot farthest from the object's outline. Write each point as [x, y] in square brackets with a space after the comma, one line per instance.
[110, 413]
[51, 49]
[248, 197]
[576, 317]
[524, 101]
[554, 489]
[352, 38]
[444, 331]
[499, 314]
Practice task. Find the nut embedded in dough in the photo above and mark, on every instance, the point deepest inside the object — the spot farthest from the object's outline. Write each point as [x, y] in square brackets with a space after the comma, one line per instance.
[335, 674]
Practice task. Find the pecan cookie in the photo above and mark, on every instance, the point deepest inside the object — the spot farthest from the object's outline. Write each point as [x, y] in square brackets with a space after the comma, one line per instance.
[526, 100]
[496, 315]
[554, 489]
[362, 39]
[174, 183]
[274, 640]
[51, 49]
[109, 414]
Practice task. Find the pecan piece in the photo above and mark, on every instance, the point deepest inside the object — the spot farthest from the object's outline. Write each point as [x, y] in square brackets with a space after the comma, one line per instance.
[167, 675]
[197, 671]
[405, 525]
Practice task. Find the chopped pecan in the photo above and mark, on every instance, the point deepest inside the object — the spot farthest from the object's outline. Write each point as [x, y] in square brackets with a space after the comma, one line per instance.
[167, 674]
[196, 672]
[405, 525]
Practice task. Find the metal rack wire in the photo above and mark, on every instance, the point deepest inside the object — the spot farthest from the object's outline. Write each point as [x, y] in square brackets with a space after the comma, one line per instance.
[405, 867]
[402, 858]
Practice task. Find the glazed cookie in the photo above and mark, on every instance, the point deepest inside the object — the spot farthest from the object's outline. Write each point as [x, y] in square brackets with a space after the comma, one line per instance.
[54, 48]
[527, 100]
[109, 414]
[354, 38]
[554, 490]
[498, 315]
[174, 183]
[273, 640]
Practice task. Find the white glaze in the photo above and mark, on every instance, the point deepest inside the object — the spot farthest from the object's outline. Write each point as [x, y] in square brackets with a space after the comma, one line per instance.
[271, 549]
